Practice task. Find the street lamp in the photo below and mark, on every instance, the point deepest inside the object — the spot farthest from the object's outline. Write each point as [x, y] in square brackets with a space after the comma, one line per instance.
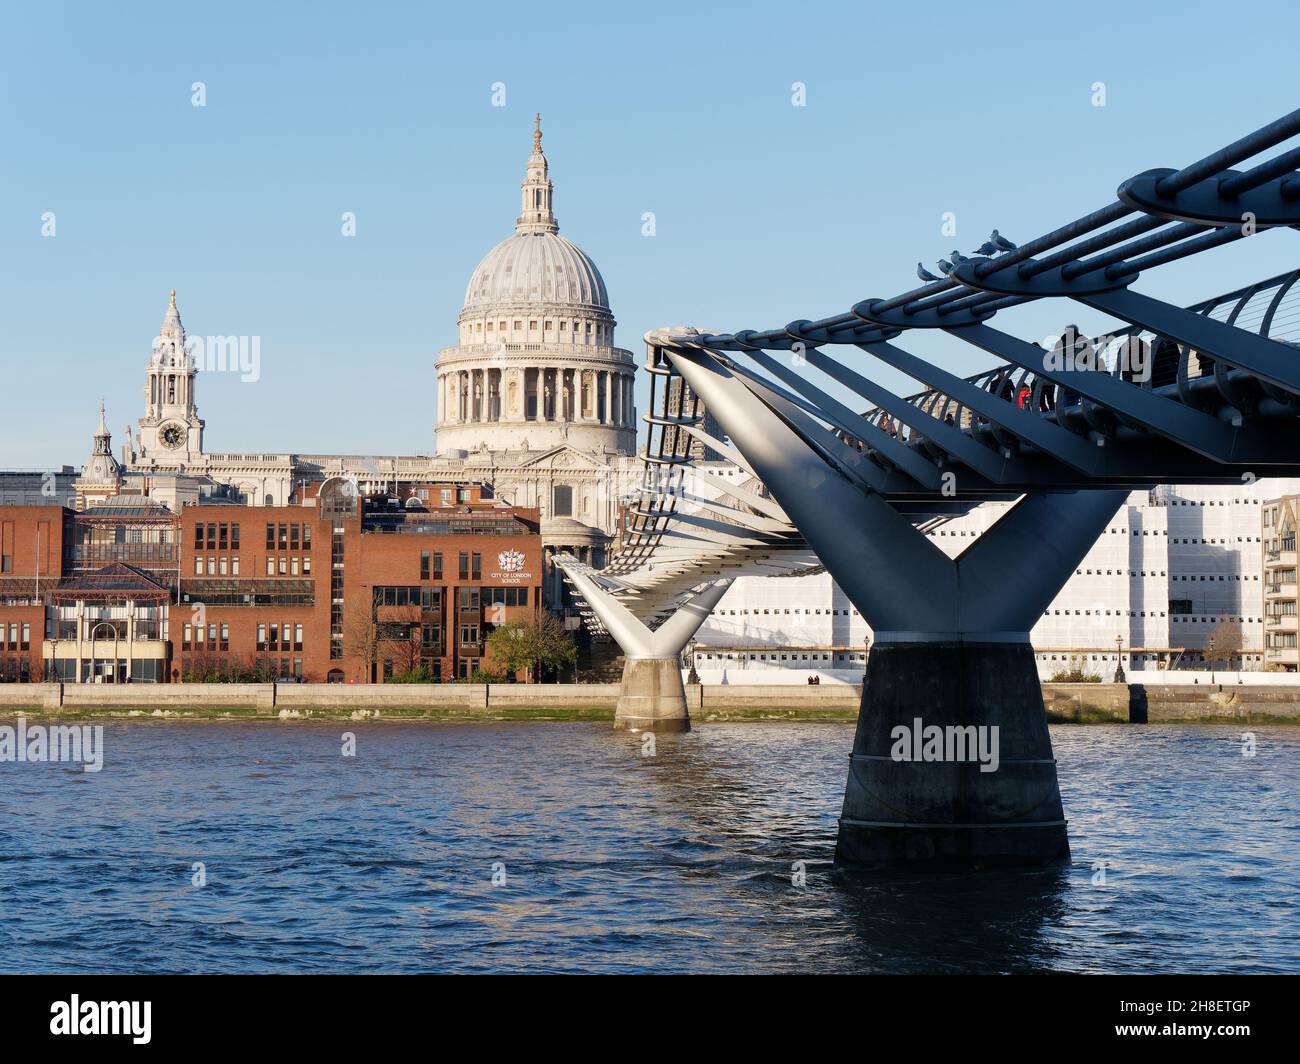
[1119, 660]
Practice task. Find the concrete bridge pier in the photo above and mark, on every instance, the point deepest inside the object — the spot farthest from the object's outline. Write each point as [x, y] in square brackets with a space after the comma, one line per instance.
[652, 696]
[952, 762]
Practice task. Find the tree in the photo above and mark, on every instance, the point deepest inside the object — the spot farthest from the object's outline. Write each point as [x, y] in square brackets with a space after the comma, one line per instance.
[1224, 643]
[539, 641]
[361, 635]
[398, 639]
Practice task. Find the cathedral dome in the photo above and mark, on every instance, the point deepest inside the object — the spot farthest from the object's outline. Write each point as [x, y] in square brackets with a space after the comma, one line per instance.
[536, 367]
[536, 267]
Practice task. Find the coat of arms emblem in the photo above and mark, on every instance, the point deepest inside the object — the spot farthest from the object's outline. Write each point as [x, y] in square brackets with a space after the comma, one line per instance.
[511, 561]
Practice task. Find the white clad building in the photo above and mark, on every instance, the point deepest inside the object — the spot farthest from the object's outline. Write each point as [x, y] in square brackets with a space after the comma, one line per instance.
[1173, 566]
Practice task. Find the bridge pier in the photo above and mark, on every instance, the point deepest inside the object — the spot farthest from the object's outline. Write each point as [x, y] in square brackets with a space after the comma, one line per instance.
[652, 696]
[998, 805]
[951, 686]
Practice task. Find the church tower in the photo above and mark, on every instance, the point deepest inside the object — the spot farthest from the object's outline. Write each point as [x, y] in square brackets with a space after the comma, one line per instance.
[101, 476]
[171, 431]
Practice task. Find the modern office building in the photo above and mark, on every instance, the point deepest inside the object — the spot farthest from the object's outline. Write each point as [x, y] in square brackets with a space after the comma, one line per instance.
[1177, 567]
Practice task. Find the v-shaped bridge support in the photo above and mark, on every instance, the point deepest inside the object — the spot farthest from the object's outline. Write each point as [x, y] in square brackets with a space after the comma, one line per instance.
[652, 696]
[952, 761]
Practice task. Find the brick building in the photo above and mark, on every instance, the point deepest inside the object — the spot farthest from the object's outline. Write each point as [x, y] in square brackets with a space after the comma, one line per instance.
[335, 588]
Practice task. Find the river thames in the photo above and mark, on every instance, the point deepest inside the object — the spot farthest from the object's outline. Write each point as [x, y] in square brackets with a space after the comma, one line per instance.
[558, 847]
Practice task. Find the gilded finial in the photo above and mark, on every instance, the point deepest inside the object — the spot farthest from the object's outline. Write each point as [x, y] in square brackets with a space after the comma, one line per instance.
[537, 133]
[173, 297]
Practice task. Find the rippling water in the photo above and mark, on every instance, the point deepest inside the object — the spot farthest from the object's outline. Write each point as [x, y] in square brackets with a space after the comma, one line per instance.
[615, 862]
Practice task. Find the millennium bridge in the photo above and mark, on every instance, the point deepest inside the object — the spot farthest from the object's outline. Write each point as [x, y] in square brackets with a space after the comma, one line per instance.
[1205, 393]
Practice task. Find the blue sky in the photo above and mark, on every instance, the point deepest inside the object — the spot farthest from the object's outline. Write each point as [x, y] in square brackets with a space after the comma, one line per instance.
[765, 212]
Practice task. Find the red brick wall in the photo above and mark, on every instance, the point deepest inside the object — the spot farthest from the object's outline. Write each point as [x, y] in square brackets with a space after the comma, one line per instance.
[370, 560]
[31, 544]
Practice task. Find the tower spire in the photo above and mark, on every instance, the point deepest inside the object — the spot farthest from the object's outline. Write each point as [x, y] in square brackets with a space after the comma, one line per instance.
[537, 215]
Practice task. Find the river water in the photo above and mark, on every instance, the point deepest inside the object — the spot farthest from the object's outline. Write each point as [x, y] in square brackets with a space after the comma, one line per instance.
[607, 860]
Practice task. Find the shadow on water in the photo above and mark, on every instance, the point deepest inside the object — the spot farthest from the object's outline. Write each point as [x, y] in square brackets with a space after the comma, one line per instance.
[977, 922]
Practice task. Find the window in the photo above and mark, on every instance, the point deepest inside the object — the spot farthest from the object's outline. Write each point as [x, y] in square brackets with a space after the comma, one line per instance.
[437, 565]
[424, 565]
[562, 501]
[505, 596]
[270, 536]
[464, 565]
[477, 571]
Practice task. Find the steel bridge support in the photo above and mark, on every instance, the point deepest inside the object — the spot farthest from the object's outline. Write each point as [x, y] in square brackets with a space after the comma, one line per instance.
[652, 696]
[951, 655]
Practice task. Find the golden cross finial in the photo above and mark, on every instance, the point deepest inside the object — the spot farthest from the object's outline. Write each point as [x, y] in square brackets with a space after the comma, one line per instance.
[173, 297]
[537, 133]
